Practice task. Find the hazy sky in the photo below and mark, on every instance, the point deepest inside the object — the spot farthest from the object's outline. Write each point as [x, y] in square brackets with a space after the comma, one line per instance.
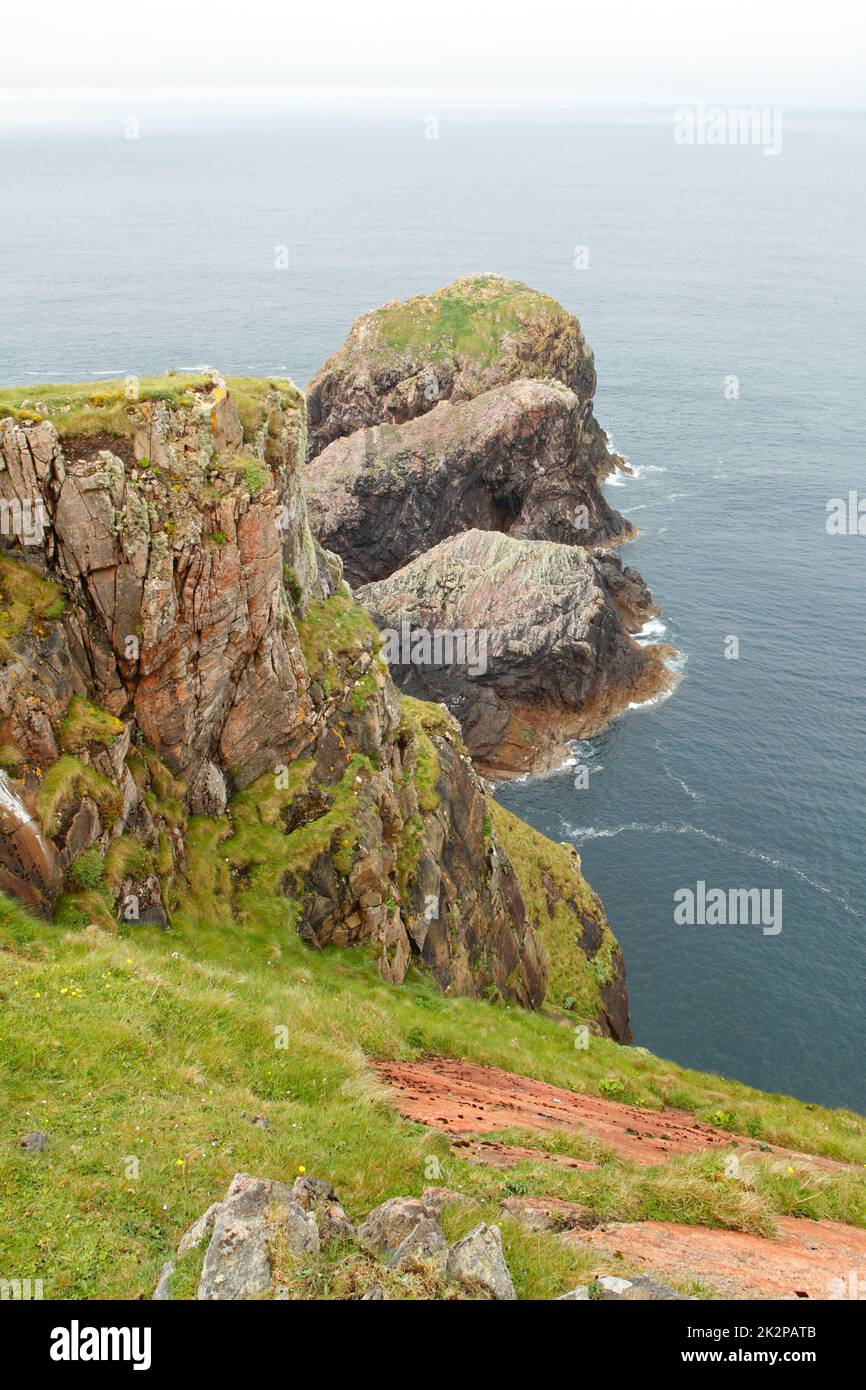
[794, 51]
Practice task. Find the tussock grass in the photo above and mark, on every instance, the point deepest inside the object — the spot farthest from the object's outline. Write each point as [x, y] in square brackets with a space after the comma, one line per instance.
[26, 601]
[564, 910]
[68, 779]
[83, 409]
[331, 631]
[250, 396]
[86, 408]
[86, 723]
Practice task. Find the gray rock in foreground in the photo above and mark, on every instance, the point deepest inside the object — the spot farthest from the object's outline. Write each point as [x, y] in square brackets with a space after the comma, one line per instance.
[255, 1213]
[388, 1225]
[477, 1263]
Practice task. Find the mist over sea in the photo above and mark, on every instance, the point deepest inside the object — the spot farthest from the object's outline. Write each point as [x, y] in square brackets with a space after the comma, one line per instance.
[136, 255]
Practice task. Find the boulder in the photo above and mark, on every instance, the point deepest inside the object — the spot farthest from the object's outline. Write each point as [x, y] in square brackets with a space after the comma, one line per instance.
[255, 1213]
[388, 1225]
[319, 1199]
[477, 1263]
[640, 1289]
[34, 1142]
[163, 1286]
[425, 1245]
[520, 639]
[192, 1238]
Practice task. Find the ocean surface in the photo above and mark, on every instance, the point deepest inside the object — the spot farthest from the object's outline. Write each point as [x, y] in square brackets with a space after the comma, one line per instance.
[704, 263]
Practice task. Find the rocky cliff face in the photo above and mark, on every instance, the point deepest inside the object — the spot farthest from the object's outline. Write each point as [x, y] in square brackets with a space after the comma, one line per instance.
[194, 711]
[456, 468]
[542, 653]
[400, 361]
[509, 460]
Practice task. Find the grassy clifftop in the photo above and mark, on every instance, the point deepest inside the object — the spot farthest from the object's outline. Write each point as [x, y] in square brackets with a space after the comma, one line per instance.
[85, 408]
[159, 1064]
[469, 318]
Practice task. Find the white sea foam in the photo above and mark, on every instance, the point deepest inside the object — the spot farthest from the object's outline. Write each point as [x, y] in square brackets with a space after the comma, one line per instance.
[637, 470]
[681, 782]
[653, 700]
[579, 833]
[651, 630]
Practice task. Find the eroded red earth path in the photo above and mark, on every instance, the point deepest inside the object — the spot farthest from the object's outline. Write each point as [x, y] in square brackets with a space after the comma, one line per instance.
[462, 1098]
[808, 1259]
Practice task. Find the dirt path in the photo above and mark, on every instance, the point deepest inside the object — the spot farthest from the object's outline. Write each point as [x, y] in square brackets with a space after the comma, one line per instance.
[809, 1259]
[462, 1098]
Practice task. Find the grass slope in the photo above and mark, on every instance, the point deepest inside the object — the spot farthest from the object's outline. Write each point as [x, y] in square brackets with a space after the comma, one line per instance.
[146, 1057]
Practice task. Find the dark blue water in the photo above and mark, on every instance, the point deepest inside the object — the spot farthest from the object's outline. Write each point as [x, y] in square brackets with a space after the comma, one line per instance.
[134, 256]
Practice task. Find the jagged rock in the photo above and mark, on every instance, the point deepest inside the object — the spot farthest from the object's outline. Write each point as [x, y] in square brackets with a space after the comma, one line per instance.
[388, 1225]
[163, 1285]
[373, 1295]
[529, 642]
[578, 1295]
[191, 633]
[399, 361]
[154, 915]
[199, 1229]
[627, 588]
[510, 460]
[425, 1245]
[256, 1211]
[208, 795]
[477, 1263]
[28, 860]
[319, 1199]
[84, 830]
[640, 1289]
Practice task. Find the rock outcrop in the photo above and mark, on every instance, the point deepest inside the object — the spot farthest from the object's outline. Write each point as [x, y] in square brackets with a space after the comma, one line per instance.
[263, 1243]
[400, 361]
[470, 411]
[179, 645]
[513, 459]
[168, 547]
[256, 1216]
[520, 639]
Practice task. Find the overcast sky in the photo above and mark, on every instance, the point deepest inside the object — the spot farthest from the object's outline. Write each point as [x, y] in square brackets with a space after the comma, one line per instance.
[770, 51]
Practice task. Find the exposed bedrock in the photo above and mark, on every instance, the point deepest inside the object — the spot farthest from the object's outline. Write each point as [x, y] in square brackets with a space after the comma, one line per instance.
[521, 640]
[511, 460]
[482, 331]
[177, 644]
